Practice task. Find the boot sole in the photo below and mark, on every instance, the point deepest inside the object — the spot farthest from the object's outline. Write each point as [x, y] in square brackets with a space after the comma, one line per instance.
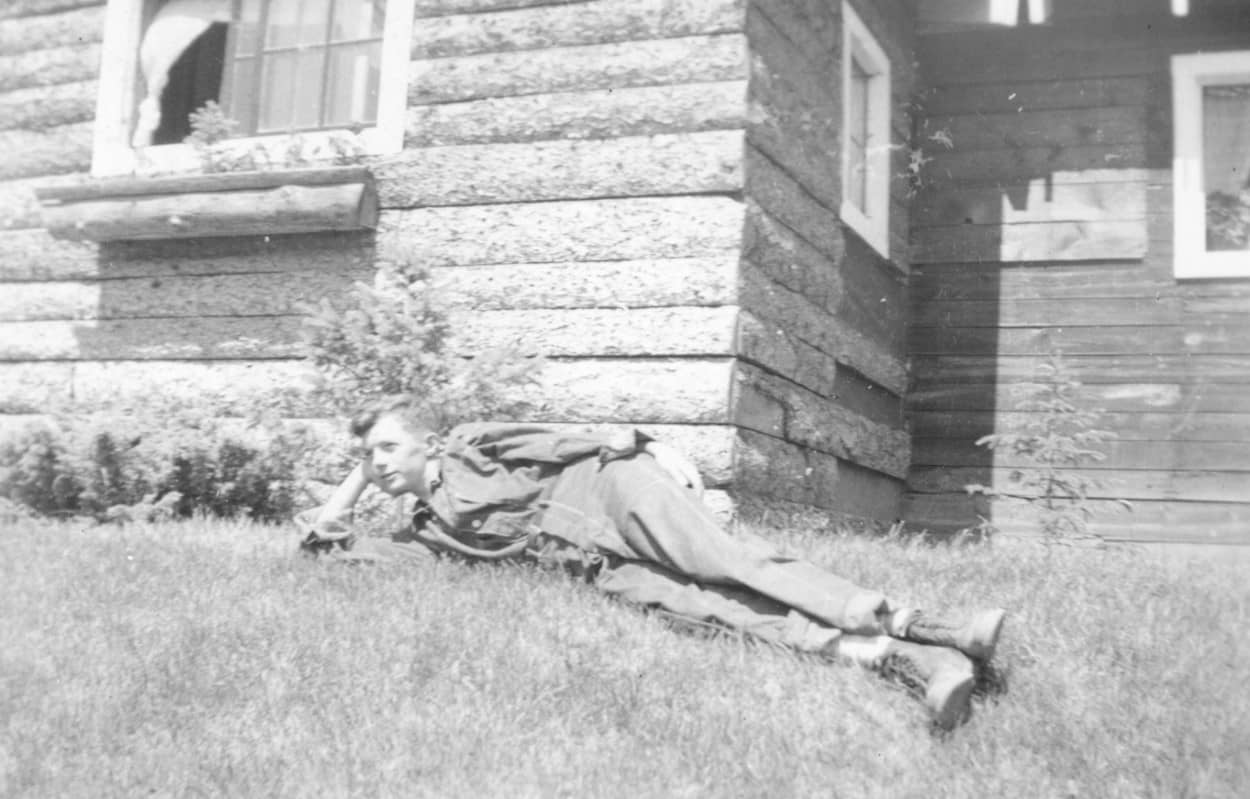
[983, 637]
[949, 698]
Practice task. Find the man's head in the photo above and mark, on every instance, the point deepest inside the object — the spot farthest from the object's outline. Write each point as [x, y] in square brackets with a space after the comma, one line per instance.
[400, 443]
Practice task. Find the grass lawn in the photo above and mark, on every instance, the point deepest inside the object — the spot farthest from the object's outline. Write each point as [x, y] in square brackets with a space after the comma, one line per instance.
[204, 659]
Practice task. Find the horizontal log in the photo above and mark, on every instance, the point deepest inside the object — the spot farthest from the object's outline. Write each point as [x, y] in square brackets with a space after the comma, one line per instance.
[441, 8]
[662, 62]
[565, 333]
[286, 209]
[1191, 522]
[776, 407]
[1033, 202]
[658, 282]
[33, 255]
[1015, 164]
[19, 207]
[773, 348]
[174, 296]
[772, 468]
[784, 198]
[868, 494]
[794, 112]
[564, 25]
[785, 258]
[76, 26]
[1222, 368]
[1060, 312]
[1178, 455]
[600, 230]
[593, 332]
[1050, 282]
[147, 186]
[185, 338]
[605, 390]
[696, 163]
[49, 67]
[599, 114]
[1128, 426]
[1192, 397]
[794, 317]
[1040, 95]
[30, 8]
[44, 107]
[56, 151]
[808, 28]
[616, 285]
[1045, 241]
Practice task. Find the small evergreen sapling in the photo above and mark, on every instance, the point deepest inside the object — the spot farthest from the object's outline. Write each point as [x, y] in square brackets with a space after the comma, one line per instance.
[1056, 439]
[391, 337]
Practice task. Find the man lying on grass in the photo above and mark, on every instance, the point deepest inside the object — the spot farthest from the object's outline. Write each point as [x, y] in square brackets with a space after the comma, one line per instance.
[624, 513]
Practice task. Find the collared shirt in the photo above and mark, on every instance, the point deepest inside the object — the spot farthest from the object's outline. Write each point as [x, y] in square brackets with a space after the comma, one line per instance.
[494, 476]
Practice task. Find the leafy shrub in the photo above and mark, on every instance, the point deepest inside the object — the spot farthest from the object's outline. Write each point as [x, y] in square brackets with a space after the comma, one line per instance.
[159, 461]
[1056, 439]
[392, 338]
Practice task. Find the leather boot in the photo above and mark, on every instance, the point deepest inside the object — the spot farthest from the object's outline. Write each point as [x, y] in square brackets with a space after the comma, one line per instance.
[975, 636]
[942, 677]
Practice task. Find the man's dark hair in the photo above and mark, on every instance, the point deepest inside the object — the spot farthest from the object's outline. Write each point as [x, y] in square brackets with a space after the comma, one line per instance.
[417, 416]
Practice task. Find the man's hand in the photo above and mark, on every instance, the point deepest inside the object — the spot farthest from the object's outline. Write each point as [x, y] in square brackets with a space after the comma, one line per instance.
[677, 465]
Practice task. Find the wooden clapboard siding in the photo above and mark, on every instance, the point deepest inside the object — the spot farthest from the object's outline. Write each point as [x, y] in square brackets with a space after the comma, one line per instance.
[81, 25]
[1047, 226]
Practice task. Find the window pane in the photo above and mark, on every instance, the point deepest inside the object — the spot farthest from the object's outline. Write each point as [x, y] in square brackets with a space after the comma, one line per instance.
[247, 28]
[857, 137]
[357, 19]
[1226, 159]
[314, 22]
[277, 89]
[282, 24]
[353, 91]
[243, 95]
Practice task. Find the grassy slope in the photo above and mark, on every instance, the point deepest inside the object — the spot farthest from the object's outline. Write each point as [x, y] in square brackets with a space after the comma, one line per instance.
[202, 659]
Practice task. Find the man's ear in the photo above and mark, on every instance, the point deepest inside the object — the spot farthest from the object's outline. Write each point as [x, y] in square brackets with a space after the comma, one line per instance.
[433, 444]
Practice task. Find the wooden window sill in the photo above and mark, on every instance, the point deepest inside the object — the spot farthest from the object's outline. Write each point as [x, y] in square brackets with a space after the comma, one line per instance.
[219, 204]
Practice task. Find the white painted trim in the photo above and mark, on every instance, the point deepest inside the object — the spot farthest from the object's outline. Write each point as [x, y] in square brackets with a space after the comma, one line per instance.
[1190, 73]
[873, 223]
[117, 100]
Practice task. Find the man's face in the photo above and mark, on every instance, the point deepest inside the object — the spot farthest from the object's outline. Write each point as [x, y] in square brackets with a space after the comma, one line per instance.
[397, 456]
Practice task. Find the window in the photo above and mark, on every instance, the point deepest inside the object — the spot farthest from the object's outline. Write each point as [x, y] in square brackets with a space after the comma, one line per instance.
[1211, 164]
[275, 67]
[865, 133]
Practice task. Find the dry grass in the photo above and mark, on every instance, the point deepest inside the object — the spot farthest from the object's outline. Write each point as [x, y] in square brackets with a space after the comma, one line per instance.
[203, 659]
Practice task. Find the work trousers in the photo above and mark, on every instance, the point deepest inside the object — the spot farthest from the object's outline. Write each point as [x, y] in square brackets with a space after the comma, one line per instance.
[652, 542]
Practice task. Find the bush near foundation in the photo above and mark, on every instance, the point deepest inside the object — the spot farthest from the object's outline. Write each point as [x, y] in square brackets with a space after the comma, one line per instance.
[157, 462]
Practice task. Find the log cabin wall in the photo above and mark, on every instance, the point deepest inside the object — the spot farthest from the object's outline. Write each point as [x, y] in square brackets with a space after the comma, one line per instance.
[823, 315]
[1045, 223]
[571, 174]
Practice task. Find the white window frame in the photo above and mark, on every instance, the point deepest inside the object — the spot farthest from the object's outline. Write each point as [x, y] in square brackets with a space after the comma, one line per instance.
[872, 223]
[119, 95]
[1190, 74]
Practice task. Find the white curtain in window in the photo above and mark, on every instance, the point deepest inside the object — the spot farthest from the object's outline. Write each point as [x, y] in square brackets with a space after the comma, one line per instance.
[175, 27]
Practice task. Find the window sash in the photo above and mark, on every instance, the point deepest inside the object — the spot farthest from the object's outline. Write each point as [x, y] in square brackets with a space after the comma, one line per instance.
[263, 90]
[1192, 76]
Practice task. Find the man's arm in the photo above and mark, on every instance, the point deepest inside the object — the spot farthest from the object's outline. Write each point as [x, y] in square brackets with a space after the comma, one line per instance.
[341, 502]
